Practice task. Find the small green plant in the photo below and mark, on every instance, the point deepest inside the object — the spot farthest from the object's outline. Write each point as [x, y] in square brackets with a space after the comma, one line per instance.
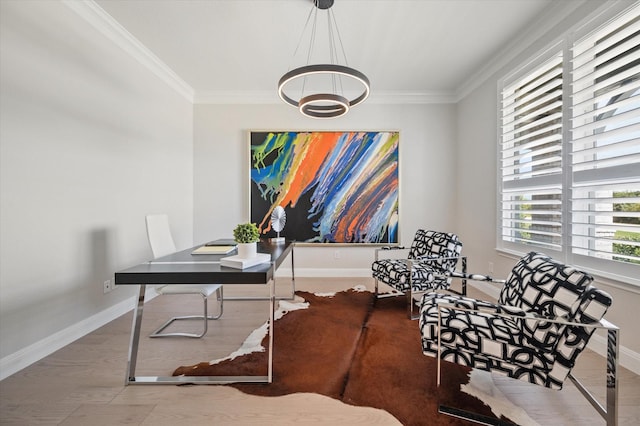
[246, 233]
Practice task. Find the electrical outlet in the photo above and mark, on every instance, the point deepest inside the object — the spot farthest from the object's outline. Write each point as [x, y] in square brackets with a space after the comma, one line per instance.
[336, 254]
[107, 286]
[491, 267]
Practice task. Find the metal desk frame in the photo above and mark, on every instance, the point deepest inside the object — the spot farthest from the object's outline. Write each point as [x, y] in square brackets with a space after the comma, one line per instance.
[202, 269]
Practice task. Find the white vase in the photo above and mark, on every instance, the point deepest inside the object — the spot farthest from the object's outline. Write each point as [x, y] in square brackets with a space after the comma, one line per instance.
[247, 250]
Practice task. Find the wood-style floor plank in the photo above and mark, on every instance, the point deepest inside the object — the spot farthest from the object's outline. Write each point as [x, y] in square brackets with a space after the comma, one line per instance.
[83, 383]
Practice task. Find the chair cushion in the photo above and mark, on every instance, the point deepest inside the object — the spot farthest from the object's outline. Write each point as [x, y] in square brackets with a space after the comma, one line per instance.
[434, 244]
[592, 307]
[472, 331]
[483, 340]
[548, 288]
[395, 273]
[432, 253]
[540, 284]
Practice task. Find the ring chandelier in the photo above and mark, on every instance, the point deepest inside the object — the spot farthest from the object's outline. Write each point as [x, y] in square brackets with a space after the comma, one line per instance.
[323, 104]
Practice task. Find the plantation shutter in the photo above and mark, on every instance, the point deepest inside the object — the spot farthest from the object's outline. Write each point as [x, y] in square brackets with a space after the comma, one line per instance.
[531, 151]
[605, 134]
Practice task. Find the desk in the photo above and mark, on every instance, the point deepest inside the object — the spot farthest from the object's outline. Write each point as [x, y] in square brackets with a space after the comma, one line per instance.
[184, 268]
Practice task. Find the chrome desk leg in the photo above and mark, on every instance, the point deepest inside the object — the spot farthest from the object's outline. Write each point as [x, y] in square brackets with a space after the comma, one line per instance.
[135, 337]
[132, 379]
[283, 297]
[272, 306]
[293, 274]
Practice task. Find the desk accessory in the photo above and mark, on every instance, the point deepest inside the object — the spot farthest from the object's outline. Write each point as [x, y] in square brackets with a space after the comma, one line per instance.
[278, 220]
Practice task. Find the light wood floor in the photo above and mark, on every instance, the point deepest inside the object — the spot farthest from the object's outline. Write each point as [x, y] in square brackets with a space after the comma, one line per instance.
[83, 383]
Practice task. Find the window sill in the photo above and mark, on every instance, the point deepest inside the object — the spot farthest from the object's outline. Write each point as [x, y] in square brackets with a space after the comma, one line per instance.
[608, 279]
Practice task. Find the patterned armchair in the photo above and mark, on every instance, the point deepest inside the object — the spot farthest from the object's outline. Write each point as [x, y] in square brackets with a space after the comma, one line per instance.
[432, 260]
[543, 320]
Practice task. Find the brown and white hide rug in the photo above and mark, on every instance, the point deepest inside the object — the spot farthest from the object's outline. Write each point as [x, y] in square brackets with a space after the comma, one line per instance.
[345, 346]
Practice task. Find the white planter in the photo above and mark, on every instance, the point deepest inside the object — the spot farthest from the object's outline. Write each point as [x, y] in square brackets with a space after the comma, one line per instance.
[247, 250]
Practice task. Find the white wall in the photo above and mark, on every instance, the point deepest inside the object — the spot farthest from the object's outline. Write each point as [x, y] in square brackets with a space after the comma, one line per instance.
[477, 189]
[90, 142]
[427, 178]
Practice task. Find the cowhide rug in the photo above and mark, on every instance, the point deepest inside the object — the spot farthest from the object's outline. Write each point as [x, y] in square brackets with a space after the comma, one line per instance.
[347, 347]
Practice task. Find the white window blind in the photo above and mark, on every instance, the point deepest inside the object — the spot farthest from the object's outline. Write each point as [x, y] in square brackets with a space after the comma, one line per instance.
[531, 164]
[605, 133]
[570, 149]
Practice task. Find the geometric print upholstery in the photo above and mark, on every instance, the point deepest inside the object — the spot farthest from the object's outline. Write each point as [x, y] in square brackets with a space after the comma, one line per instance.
[546, 287]
[480, 340]
[540, 283]
[432, 253]
[519, 346]
[436, 245]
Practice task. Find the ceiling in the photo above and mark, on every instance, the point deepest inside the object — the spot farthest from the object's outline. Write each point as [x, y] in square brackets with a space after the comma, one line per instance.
[242, 47]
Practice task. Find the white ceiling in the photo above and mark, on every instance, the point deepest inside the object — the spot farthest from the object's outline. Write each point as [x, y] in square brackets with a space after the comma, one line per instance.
[222, 47]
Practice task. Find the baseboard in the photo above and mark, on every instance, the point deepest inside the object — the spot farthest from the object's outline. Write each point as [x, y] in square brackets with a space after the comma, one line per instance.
[488, 289]
[326, 272]
[23, 358]
[627, 358]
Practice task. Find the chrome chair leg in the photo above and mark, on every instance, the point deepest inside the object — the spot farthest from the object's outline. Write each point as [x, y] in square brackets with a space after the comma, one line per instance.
[609, 412]
[205, 318]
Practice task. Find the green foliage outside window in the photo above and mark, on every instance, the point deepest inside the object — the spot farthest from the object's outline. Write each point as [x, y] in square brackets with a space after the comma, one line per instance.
[627, 249]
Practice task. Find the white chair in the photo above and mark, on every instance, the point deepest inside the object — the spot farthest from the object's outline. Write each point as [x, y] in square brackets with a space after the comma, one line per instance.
[162, 244]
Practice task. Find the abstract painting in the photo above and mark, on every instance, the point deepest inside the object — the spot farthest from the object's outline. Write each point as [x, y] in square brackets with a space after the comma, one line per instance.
[335, 187]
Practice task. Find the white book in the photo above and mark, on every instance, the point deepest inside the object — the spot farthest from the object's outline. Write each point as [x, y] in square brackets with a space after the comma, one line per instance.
[243, 263]
[214, 250]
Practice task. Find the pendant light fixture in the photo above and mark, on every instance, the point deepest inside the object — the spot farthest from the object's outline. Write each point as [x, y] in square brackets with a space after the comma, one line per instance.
[323, 90]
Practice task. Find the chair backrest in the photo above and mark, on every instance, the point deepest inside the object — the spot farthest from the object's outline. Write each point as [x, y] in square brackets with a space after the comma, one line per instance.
[159, 235]
[545, 286]
[434, 244]
[549, 288]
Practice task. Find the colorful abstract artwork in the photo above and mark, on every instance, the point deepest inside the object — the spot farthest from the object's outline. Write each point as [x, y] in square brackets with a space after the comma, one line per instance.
[335, 187]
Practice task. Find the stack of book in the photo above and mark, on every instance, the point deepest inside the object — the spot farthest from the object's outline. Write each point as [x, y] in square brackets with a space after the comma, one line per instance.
[243, 262]
[223, 246]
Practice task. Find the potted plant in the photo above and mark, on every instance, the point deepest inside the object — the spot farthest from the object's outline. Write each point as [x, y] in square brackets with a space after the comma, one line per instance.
[246, 235]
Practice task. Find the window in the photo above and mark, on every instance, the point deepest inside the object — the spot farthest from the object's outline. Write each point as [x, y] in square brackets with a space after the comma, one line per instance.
[570, 151]
[532, 157]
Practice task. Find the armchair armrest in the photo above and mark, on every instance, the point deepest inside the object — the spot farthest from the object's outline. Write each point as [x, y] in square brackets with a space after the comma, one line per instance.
[519, 314]
[388, 248]
[428, 259]
[559, 336]
[448, 275]
[392, 248]
[477, 277]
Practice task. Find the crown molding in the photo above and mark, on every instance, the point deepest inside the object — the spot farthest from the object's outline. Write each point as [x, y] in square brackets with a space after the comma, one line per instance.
[403, 97]
[558, 11]
[108, 26]
[257, 97]
[270, 98]
[91, 12]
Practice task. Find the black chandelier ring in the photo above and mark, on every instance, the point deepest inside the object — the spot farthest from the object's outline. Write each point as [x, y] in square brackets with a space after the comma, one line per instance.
[323, 105]
[337, 105]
